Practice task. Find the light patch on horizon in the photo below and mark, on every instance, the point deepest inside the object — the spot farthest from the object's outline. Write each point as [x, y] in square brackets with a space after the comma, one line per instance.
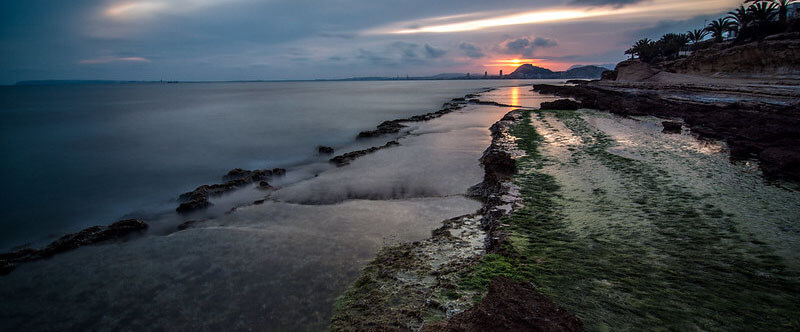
[110, 59]
[661, 9]
[511, 62]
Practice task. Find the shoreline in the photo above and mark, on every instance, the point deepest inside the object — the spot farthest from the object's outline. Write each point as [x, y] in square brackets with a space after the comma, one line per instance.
[757, 128]
[415, 286]
[199, 198]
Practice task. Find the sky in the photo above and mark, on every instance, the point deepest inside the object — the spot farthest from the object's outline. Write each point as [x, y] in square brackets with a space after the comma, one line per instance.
[200, 40]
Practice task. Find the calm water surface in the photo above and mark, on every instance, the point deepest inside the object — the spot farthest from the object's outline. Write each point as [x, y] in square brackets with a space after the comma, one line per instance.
[277, 266]
[76, 156]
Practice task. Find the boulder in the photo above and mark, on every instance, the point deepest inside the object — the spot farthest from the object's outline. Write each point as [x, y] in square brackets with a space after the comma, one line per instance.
[324, 149]
[634, 71]
[672, 127]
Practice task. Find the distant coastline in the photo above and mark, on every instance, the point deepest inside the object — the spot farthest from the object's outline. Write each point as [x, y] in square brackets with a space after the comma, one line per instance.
[585, 72]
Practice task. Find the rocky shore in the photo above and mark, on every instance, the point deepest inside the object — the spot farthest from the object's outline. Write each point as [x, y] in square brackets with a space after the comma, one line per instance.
[88, 236]
[762, 125]
[417, 285]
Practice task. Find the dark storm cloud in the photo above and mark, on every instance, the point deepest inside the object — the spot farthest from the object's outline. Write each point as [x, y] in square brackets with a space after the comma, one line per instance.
[525, 46]
[471, 50]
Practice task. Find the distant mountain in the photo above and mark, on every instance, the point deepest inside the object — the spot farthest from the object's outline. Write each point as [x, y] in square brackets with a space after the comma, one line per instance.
[530, 71]
[584, 72]
[609, 66]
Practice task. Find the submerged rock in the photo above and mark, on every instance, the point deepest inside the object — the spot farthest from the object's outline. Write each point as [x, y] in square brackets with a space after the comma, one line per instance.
[672, 127]
[561, 104]
[511, 306]
[88, 236]
[346, 158]
[324, 149]
[186, 224]
[6, 267]
[198, 198]
[394, 126]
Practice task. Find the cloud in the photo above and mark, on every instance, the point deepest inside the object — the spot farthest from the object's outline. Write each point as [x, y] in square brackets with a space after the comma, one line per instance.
[399, 53]
[471, 50]
[525, 46]
[433, 53]
[614, 3]
[137, 9]
[109, 59]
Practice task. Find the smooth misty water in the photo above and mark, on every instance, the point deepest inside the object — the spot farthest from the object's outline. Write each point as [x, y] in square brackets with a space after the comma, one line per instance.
[76, 156]
[276, 266]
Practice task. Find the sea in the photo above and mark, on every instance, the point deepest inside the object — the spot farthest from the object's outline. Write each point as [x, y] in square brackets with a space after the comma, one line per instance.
[75, 156]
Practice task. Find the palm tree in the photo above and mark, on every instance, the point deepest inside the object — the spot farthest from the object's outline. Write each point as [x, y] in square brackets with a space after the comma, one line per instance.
[644, 49]
[762, 12]
[740, 18]
[718, 27]
[697, 35]
[781, 5]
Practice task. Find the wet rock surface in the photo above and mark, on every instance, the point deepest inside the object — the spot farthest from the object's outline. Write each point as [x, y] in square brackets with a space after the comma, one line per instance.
[198, 199]
[346, 158]
[672, 127]
[407, 285]
[561, 104]
[394, 126]
[511, 306]
[748, 126]
[324, 149]
[88, 236]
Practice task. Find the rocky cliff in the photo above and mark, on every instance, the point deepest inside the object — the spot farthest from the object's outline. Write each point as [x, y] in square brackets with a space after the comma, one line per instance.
[777, 56]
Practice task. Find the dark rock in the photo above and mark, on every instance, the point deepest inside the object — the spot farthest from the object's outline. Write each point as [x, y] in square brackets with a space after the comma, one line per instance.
[6, 267]
[561, 104]
[259, 202]
[236, 173]
[609, 75]
[394, 126]
[748, 128]
[88, 236]
[264, 185]
[193, 205]
[387, 127]
[780, 160]
[346, 158]
[577, 82]
[324, 149]
[511, 306]
[672, 127]
[199, 197]
[186, 224]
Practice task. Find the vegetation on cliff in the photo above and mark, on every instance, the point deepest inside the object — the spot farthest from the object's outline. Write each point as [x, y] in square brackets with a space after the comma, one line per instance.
[756, 21]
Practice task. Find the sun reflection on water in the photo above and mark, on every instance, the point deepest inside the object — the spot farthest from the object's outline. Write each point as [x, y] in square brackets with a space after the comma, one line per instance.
[514, 96]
